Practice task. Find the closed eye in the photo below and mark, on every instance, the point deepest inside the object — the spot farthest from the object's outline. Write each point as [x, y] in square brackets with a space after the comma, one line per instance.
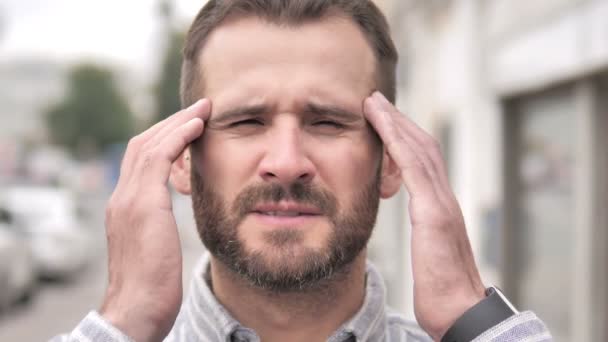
[333, 124]
[246, 122]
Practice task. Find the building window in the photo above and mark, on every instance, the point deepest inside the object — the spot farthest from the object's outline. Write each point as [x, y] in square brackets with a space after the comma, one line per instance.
[556, 223]
[541, 140]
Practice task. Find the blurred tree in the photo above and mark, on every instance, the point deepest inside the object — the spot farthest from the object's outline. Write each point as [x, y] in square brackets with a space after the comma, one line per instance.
[166, 92]
[93, 115]
[165, 11]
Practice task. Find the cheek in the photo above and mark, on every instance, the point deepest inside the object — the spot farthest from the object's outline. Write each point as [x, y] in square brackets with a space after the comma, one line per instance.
[345, 168]
[224, 164]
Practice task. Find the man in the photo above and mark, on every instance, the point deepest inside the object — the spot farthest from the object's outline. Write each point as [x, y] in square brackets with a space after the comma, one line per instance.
[286, 158]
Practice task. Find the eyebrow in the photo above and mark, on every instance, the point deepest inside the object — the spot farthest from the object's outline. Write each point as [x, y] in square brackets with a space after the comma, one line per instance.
[311, 108]
[333, 111]
[239, 112]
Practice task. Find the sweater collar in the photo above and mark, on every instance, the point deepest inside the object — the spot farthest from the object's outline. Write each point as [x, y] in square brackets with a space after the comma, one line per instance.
[209, 320]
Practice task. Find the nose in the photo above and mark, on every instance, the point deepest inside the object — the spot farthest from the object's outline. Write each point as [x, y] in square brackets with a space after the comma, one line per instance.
[286, 159]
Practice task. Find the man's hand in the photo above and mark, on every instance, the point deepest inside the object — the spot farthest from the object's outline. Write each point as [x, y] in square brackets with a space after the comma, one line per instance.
[446, 279]
[144, 293]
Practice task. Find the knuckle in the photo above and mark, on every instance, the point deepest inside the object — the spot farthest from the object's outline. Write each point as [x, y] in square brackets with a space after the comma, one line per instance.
[149, 145]
[112, 211]
[147, 159]
[123, 213]
[442, 218]
[432, 144]
[134, 143]
[119, 206]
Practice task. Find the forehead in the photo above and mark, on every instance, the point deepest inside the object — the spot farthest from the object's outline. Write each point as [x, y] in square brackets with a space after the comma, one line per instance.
[249, 57]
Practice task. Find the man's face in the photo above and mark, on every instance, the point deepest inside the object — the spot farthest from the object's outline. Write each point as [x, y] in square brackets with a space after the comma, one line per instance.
[285, 178]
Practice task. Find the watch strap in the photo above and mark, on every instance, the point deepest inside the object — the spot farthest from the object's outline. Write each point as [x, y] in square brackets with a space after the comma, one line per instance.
[490, 311]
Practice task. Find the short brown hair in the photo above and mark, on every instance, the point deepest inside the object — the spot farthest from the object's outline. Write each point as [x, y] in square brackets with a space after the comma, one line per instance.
[289, 12]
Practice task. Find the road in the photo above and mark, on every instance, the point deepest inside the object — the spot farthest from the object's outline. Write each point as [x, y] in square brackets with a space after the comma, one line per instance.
[58, 307]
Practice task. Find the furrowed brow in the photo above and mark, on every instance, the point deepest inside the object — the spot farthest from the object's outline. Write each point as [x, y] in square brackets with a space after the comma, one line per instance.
[332, 111]
[239, 112]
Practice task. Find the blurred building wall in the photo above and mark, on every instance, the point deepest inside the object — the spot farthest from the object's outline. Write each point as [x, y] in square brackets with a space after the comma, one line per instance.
[515, 92]
[27, 88]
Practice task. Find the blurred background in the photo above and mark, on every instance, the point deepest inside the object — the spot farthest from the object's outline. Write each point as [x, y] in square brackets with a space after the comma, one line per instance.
[516, 92]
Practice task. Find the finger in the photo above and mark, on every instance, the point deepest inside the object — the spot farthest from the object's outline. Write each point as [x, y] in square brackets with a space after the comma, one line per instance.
[155, 164]
[200, 109]
[415, 175]
[139, 143]
[136, 143]
[427, 145]
[424, 144]
[418, 150]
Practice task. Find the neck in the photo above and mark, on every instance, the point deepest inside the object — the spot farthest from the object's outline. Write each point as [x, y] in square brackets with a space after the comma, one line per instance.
[310, 315]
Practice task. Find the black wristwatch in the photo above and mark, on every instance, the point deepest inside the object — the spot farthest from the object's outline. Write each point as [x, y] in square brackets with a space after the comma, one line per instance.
[492, 310]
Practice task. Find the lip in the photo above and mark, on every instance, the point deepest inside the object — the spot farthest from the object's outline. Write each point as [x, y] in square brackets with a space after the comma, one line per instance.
[306, 214]
[303, 209]
[285, 221]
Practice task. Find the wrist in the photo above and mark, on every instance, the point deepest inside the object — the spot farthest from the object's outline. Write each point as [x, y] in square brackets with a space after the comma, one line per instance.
[458, 305]
[487, 313]
[131, 323]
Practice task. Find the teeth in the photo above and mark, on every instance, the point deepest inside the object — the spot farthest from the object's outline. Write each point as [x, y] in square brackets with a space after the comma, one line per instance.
[282, 213]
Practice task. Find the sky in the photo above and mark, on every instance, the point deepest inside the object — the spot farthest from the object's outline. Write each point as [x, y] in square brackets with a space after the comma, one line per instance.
[123, 33]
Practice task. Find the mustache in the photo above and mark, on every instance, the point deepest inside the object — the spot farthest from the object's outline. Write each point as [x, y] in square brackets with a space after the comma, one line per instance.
[302, 193]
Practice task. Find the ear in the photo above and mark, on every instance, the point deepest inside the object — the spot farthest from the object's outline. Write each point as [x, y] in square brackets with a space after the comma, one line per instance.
[180, 173]
[390, 177]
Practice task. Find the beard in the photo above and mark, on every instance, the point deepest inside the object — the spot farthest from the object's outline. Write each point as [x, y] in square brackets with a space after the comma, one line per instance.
[285, 266]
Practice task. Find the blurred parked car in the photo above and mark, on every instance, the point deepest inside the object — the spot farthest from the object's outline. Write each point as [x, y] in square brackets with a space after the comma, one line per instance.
[17, 273]
[48, 216]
